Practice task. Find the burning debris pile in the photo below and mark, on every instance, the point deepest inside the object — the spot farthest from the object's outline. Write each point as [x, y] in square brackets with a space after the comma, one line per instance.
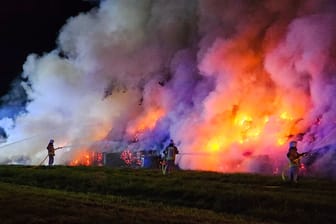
[230, 81]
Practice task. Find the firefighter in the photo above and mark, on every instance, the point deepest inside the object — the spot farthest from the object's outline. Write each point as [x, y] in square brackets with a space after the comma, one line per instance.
[169, 157]
[51, 152]
[294, 161]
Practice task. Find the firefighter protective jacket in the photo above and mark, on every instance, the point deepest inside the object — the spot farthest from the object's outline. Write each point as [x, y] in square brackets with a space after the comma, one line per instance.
[51, 149]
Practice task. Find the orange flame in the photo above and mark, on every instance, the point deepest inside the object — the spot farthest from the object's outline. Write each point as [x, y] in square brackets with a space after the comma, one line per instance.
[249, 110]
[83, 158]
[227, 137]
[147, 121]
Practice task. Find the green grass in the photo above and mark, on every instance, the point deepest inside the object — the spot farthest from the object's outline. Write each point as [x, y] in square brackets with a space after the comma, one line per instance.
[107, 195]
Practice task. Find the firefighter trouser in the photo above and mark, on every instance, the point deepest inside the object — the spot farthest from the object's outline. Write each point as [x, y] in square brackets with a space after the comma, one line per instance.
[169, 165]
[51, 160]
[293, 173]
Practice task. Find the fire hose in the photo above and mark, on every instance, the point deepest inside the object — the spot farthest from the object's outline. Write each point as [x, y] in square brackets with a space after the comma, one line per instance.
[67, 146]
[40, 164]
[286, 168]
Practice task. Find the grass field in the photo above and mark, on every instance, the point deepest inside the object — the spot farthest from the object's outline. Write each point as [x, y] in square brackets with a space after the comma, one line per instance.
[107, 195]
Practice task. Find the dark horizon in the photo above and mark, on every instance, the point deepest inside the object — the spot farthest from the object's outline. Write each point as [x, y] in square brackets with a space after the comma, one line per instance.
[31, 27]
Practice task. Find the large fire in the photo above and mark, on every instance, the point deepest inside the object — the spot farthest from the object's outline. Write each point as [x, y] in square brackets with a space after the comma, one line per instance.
[83, 158]
[233, 139]
[231, 82]
[87, 157]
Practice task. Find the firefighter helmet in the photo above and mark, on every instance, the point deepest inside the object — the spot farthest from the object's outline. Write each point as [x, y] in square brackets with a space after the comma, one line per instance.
[292, 144]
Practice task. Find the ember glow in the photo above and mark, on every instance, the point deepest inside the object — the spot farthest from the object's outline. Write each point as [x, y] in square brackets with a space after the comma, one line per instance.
[130, 158]
[83, 158]
[232, 82]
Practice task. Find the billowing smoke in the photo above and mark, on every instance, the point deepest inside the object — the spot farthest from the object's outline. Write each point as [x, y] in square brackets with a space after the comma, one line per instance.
[230, 81]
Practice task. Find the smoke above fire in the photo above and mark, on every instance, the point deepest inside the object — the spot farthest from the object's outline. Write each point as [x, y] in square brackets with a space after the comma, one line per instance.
[232, 82]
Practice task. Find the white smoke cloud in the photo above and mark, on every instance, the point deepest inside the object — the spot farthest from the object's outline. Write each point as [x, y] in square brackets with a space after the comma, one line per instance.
[112, 48]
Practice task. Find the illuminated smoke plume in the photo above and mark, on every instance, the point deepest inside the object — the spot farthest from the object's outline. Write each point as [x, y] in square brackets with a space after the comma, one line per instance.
[230, 81]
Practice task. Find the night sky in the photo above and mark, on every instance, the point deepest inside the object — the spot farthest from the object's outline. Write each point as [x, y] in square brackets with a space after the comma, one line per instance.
[31, 26]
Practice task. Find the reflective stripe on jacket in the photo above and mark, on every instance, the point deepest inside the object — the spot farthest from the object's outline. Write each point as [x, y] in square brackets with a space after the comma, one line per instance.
[171, 152]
